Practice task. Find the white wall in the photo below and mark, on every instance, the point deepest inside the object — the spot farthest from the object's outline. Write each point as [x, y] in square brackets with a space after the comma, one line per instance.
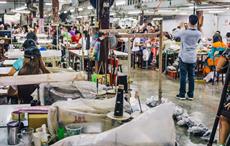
[224, 24]
[212, 23]
[169, 25]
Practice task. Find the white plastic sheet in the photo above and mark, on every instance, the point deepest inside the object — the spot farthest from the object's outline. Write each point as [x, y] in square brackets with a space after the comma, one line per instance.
[155, 127]
[80, 111]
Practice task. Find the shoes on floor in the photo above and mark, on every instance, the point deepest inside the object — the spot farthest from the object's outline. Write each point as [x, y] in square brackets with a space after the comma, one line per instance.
[184, 98]
[180, 97]
[190, 98]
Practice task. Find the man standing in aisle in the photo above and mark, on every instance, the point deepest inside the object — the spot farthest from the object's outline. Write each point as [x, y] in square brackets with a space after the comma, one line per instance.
[189, 41]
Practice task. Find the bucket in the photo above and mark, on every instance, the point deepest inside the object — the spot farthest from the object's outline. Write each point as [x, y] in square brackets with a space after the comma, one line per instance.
[73, 129]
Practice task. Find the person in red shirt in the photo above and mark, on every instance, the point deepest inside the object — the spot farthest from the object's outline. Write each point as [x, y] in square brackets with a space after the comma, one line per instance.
[76, 37]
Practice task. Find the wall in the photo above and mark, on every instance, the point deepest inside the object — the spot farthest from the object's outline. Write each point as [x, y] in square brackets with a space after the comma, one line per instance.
[224, 24]
[168, 25]
[212, 23]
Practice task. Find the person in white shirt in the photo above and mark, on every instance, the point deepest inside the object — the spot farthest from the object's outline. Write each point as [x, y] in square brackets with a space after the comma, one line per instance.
[136, 45]
[85, 41]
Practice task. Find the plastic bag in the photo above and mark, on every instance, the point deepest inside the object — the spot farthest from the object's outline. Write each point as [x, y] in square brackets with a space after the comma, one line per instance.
[80, 111]
[155, 127]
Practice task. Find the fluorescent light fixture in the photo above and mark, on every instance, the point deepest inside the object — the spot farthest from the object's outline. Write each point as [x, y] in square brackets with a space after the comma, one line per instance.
[165, 11]
[112, 14]
[21, 11]
[48, 4]
[90, 7]
[21, 8]
[215, 11]
[72, 10]
[3, 2]
[80, 9]
[134, 12]
[118, 3]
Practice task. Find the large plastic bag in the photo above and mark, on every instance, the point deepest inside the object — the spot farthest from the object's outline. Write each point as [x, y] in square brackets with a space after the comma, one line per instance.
[80, 111]
[155, 127]
[88, 89]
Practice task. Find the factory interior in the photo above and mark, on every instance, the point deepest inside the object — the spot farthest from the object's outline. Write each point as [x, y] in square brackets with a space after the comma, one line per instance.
[114, 72]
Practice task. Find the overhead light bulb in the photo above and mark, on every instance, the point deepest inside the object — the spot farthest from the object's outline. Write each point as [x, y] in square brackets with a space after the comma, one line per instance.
[48, 4]
[90, 7]
[80, 9]
[3, 2]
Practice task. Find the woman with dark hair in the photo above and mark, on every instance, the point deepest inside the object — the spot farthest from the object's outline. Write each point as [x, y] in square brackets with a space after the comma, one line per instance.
[32, 65]
[29, 65]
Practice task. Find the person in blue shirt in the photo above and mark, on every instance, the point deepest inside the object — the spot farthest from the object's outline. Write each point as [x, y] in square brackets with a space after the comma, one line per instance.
[19, 62]
[188, 57]
[31, 64]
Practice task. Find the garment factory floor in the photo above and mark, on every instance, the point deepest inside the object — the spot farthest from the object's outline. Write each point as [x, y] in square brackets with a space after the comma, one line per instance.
[203, 108]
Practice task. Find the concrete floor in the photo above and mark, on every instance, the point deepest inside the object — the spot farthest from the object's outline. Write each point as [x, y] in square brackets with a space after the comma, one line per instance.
[203, 108]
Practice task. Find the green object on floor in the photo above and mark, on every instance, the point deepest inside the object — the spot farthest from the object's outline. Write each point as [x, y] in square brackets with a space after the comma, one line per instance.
[94, 77]
[61, 133]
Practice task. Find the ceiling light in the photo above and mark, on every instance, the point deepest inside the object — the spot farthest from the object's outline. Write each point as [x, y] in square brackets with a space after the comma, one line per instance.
[48, 4]
[21, 11]
[65, 12]
[90, 7]
[118, 3]
[80, 9]
[72, 10]
[134, 12]
[3, 2]
[20, 8]
[215, 11]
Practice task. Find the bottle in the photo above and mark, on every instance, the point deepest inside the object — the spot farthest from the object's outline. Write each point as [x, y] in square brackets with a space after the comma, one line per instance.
[60, 131]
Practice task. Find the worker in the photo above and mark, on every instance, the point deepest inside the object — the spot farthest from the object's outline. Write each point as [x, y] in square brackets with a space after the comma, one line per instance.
[31, 35]
[2, 51]
[224, 129]
[31, 64]
[189, 41]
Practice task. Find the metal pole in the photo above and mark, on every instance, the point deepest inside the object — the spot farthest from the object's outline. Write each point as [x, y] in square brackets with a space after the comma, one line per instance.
[129, 63]
[83, 53]
[57, 37]
[160, 62]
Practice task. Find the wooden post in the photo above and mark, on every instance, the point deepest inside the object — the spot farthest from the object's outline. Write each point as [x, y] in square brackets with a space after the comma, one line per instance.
[160, 62]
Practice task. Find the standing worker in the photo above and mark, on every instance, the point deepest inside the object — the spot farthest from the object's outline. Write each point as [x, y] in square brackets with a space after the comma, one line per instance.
[188, 57]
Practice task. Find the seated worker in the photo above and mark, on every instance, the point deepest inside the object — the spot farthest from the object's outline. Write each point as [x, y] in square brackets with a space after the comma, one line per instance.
[32, 35]
[19, 62]
[218, 47]
[224, 128]
[2, 51]
[31, 64]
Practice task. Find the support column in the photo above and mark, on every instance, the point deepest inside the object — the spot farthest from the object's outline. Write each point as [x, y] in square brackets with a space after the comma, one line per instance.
[55, 5]
[160, 63]
[104, 13]
[41, 20]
